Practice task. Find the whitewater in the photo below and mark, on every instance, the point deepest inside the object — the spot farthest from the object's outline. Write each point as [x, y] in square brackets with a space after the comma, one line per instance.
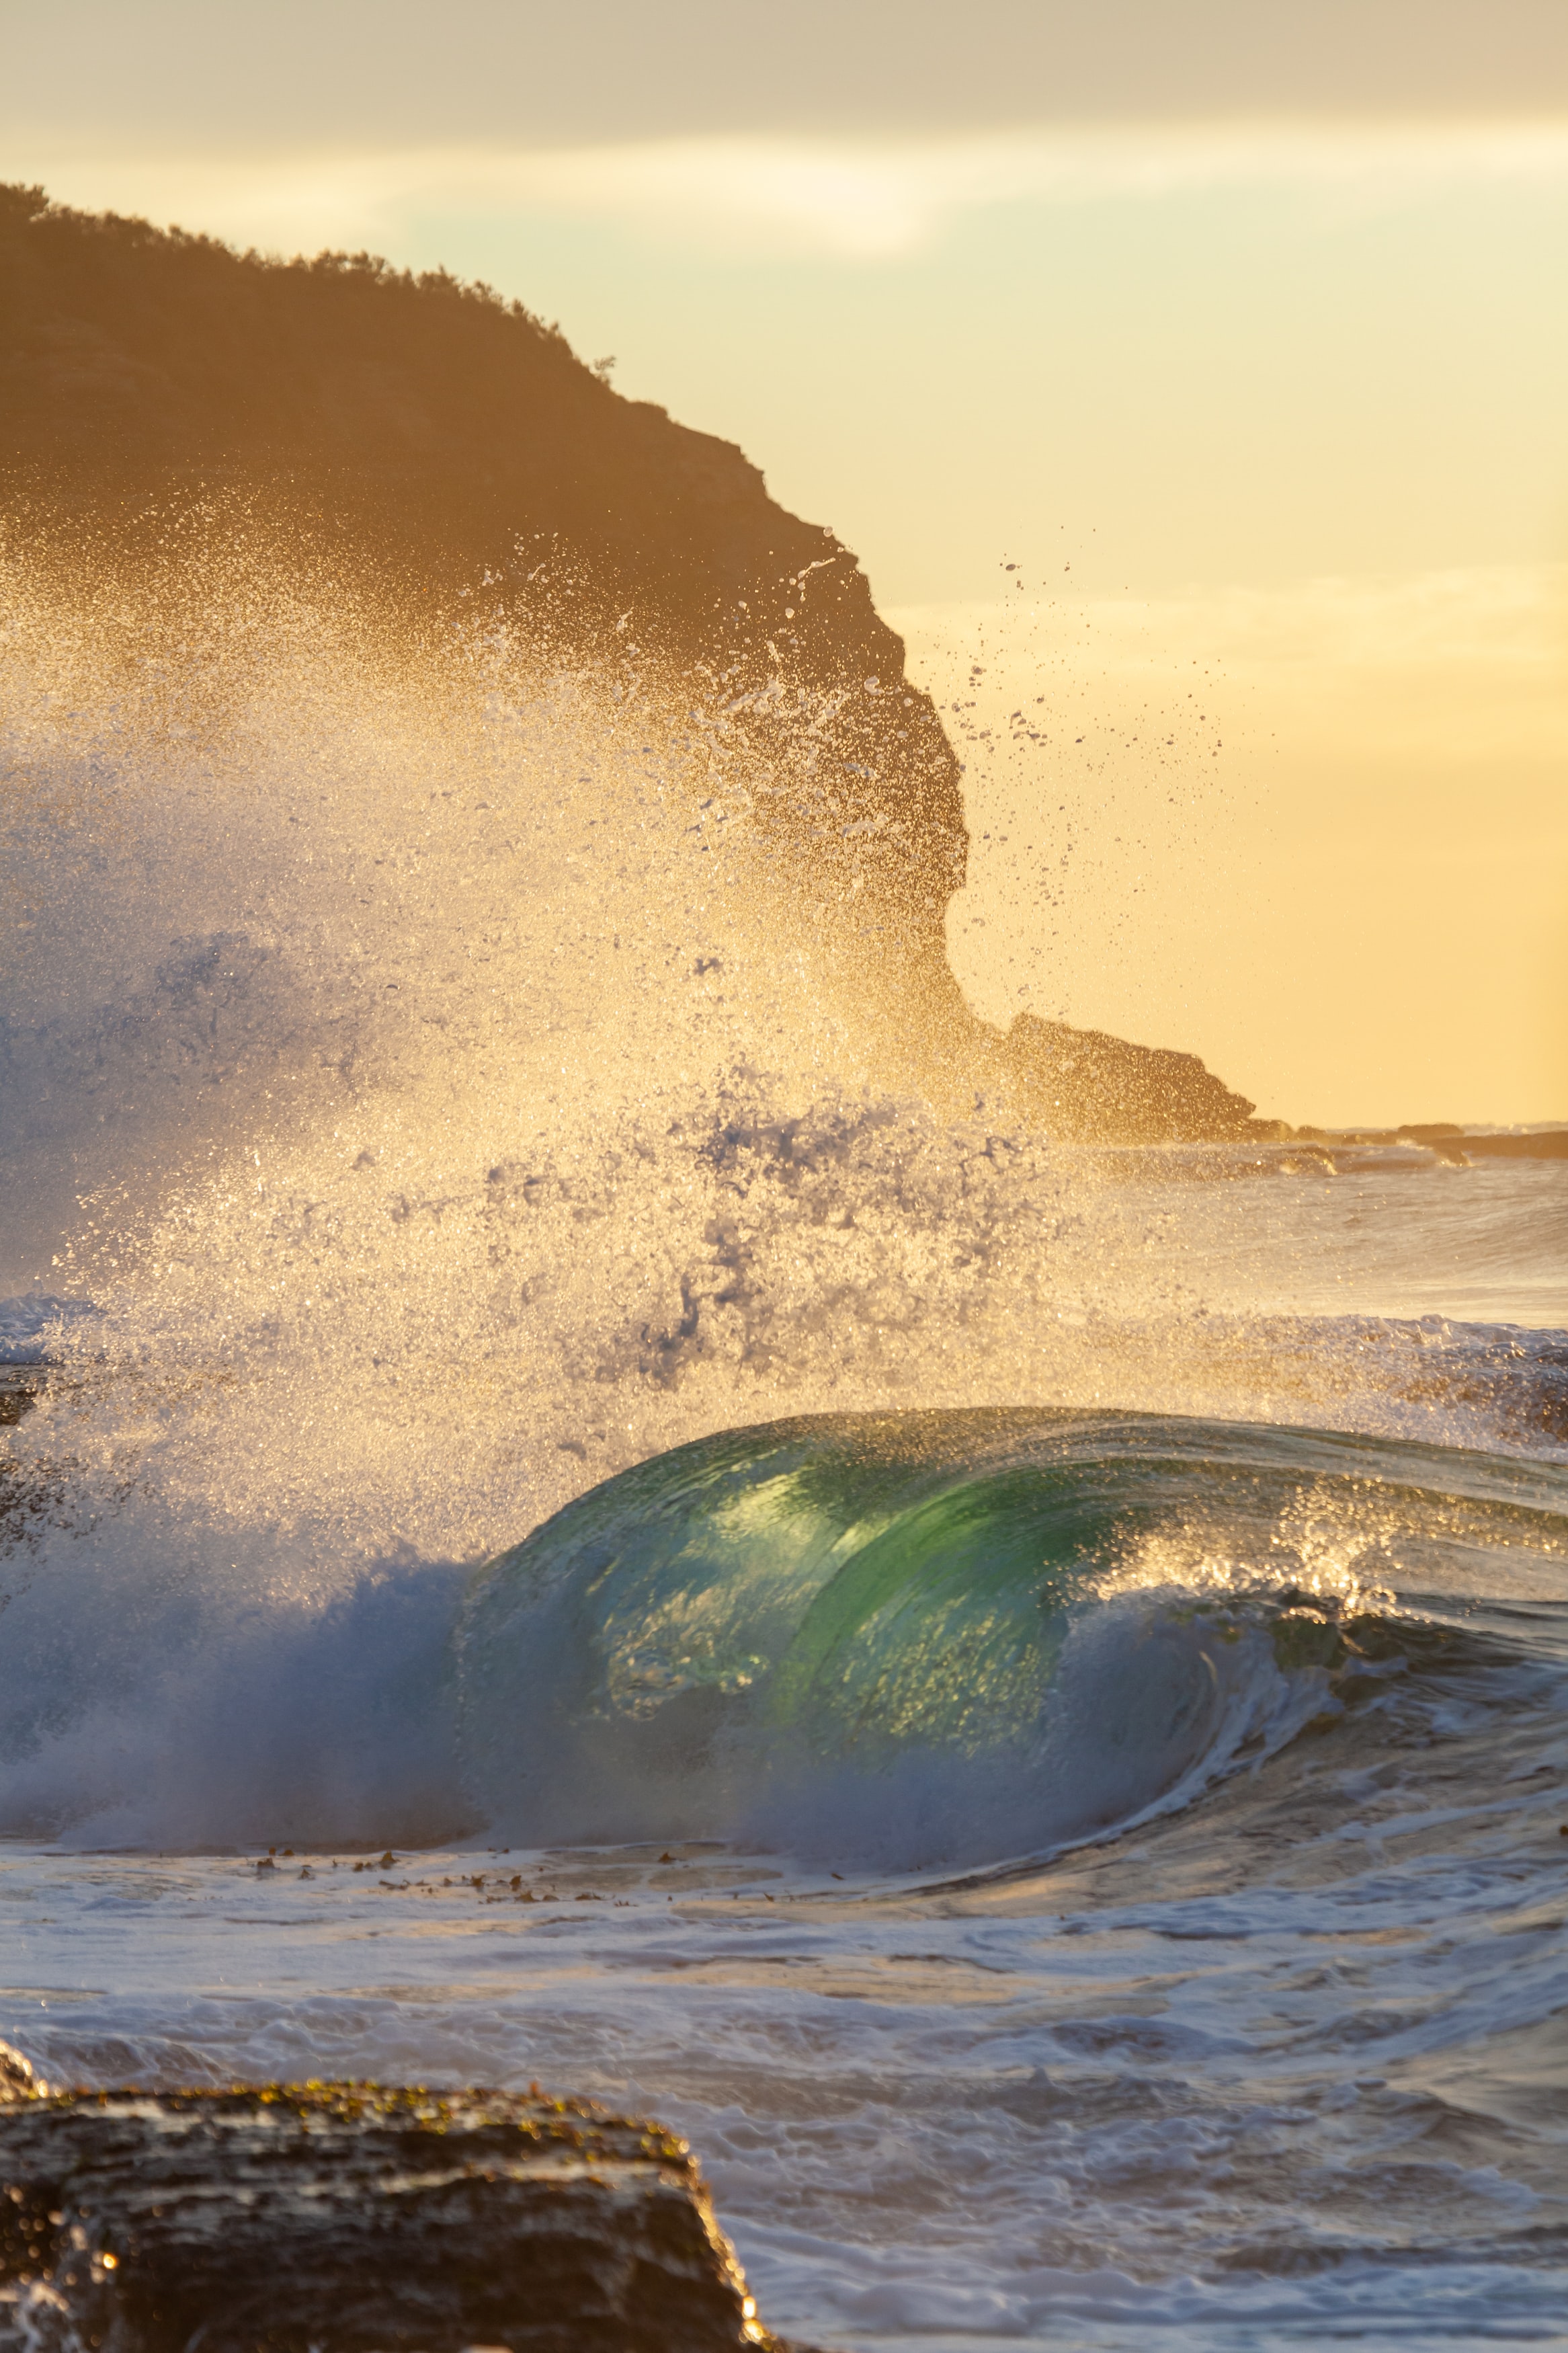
[525, 1401]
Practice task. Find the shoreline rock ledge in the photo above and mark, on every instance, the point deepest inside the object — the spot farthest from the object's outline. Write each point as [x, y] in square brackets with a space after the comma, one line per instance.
[355, 2218]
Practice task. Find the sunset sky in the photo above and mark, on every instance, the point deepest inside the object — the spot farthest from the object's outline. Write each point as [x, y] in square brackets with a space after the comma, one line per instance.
[1239, 329]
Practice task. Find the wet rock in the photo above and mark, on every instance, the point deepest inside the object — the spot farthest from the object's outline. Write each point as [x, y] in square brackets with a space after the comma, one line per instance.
[351, 2216]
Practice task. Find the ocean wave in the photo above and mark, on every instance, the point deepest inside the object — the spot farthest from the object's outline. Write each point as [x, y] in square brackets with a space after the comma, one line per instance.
[434, 1100]
[927, 1637]
[899, 1642]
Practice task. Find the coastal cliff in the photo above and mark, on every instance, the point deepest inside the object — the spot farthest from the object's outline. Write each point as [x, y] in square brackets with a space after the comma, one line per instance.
[451, 437]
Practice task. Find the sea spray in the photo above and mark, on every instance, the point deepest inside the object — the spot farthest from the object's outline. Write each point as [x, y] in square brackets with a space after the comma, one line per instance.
[435, 1086]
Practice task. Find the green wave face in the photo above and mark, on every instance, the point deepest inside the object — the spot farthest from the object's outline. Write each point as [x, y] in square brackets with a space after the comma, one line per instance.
[890, 1631]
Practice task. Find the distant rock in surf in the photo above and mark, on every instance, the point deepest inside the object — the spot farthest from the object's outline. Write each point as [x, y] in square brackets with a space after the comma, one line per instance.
[1101, 1090]
[1537, 1143]
[1449, 1141]
[447, 443]
[350, 2216]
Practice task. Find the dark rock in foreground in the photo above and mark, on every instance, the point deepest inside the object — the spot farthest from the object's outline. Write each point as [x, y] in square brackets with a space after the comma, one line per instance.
[352, 2216]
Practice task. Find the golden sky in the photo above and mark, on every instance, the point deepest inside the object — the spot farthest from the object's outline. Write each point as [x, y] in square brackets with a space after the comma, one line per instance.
[1317, 833]
[1238, 328]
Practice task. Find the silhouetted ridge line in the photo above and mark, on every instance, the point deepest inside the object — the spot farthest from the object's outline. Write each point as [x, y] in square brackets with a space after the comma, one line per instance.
[456, 437]
[134, 356]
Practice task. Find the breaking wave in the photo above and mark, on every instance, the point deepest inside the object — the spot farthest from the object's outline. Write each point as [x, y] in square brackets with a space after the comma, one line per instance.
[436, 1087]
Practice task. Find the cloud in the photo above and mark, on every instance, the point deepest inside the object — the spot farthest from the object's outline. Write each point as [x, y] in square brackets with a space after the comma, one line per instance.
[1510, 615]
[533, 73]
[1467, 664]
[855, 200]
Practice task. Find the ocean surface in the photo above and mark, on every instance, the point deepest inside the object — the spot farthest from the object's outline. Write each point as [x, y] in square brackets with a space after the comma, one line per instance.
[1060, 1656]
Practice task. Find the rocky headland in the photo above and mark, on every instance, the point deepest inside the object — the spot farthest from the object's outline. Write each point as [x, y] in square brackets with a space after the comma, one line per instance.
[451, 443]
